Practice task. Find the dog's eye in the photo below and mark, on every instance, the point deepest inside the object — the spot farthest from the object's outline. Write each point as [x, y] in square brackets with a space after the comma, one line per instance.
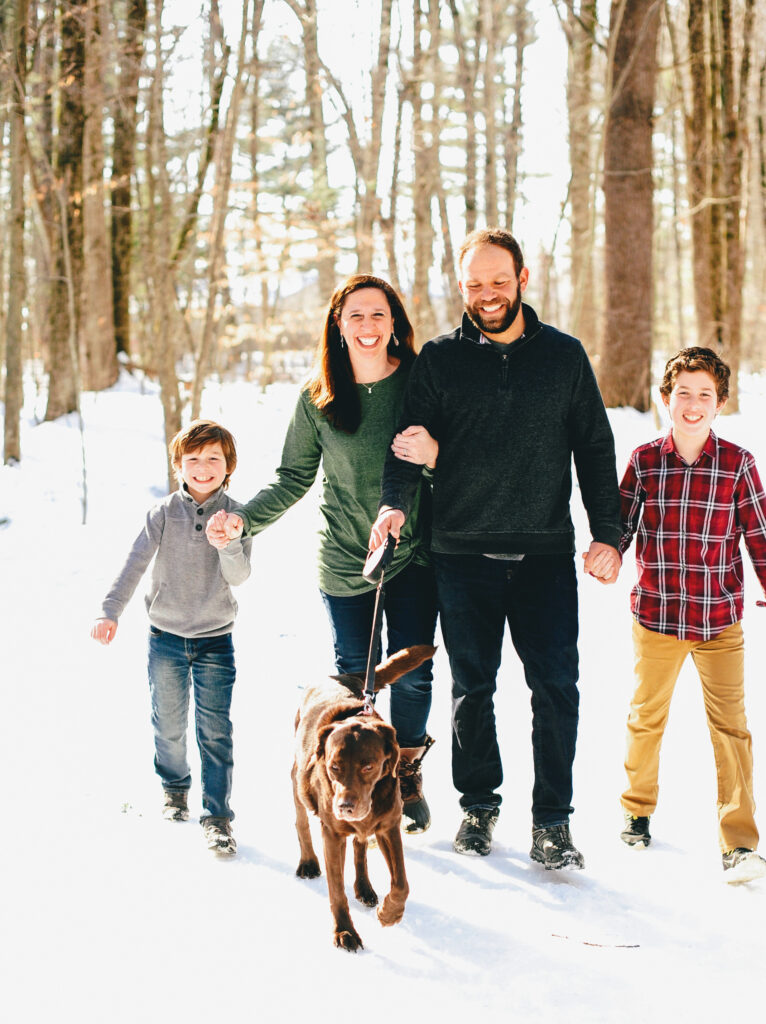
[334, 767]
[367, 767]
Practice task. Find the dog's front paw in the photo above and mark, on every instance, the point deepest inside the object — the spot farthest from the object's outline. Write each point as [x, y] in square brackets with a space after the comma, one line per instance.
[391, 912]
[348, 939]
[366, 894]
[308, 868]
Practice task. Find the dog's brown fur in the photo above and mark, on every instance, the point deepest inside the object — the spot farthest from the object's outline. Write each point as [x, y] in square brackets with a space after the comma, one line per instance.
[345, 773]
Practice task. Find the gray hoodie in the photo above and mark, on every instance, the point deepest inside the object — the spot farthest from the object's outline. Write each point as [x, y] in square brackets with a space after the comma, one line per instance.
[190, 593]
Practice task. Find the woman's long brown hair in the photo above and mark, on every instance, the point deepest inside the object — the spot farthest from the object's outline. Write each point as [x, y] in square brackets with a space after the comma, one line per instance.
[331, 386]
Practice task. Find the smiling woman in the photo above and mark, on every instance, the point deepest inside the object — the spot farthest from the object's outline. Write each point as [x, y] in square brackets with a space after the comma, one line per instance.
[345, 420]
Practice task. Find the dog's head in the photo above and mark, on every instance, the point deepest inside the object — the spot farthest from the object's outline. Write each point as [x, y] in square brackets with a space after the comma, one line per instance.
[357, 753]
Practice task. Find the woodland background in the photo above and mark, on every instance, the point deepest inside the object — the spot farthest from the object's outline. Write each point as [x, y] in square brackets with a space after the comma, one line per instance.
[182, 186]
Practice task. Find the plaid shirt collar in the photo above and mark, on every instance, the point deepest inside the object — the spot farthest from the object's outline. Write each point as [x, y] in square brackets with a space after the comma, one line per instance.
[710, 448]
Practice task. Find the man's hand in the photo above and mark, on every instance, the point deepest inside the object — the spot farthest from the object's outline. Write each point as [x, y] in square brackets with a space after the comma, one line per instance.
[390, 520]
[223, 527]
[602, 561]
[103, 630]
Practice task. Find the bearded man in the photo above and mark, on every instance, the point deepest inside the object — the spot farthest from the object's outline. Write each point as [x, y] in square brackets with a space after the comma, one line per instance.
[511, 401]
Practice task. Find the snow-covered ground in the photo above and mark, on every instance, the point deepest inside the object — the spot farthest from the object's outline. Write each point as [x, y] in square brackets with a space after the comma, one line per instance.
[112, 914]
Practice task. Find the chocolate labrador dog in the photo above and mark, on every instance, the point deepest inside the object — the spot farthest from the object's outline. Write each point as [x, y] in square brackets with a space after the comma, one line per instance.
[345, 773]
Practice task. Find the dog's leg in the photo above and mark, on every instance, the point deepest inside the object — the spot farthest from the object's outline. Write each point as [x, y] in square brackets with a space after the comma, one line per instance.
[390, 843]
[345, 935]
[309, 865]
[362, 885]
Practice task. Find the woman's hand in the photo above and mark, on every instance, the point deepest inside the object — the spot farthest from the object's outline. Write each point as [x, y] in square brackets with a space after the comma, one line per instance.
[390, 520]
[416, 445]
[223, 527]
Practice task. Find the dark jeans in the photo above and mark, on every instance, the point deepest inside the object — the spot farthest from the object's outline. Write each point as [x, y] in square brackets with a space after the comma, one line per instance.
[538, 599]
[410, 614]
[176, 664]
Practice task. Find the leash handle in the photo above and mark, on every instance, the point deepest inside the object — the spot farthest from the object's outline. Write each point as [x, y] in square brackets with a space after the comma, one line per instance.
[379, 560]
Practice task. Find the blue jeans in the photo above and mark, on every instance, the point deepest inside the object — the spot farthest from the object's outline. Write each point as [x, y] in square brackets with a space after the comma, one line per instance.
[410, 613]
[538, 598]
[177, 663]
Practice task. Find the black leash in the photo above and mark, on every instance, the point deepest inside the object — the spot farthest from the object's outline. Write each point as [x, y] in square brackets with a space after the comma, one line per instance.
[374, 569]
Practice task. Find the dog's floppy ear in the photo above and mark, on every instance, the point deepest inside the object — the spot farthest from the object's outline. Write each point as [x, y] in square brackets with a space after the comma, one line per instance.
[390, 747]
[322, 735]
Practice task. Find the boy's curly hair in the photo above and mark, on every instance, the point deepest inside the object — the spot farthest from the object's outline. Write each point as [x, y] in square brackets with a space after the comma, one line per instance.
[692, 359]
[198, 434]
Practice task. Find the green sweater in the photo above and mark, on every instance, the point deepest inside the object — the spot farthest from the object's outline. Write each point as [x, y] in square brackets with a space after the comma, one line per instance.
[352, 466]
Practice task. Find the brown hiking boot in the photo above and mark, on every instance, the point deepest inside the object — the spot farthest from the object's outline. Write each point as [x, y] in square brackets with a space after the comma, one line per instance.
[416, 816]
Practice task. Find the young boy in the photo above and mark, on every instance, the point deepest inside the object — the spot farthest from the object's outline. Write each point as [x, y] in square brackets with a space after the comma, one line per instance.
[191, 615]
[691, 496]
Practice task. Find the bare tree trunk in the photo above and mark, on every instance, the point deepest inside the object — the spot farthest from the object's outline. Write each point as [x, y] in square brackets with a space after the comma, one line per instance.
[62, 388]
[322, 199]
[97, 342]
[123, 166]
[489, 111]
[369, 211]
[40, 120]
[580, 28]
[468, 66]
[158, 224]
[17, 55]
[513, 124]
[389, 224]
[422, 192]
[698, 162]
[625, 369]
[220, 209]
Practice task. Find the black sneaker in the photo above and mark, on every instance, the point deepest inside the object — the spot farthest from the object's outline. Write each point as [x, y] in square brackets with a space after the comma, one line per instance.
[553, 848]
[219, 837]
[475, 832]
[175, 806]
[742, 865]
[636, 831]
[416, 815]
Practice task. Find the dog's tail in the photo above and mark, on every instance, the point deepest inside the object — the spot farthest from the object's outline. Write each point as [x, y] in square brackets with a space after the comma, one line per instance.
[391, 669]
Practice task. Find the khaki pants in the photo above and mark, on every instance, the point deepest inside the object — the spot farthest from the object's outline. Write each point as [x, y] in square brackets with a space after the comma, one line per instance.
[720, 664]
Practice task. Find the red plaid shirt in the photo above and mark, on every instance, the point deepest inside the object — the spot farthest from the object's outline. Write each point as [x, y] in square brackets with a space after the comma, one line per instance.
[689, 521]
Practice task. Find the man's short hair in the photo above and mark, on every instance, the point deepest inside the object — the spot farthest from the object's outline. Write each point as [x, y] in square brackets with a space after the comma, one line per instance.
[692, 359]
[492, 236]
[198, 434]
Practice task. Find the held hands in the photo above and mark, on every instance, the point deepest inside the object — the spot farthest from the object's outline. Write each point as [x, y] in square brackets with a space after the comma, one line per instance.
[103, 630]
[223, 527]
[602, 561]
[390, 520]
[416, 445]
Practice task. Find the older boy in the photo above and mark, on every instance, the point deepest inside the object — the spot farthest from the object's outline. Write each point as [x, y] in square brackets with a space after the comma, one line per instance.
[691, 496]
[191, 615]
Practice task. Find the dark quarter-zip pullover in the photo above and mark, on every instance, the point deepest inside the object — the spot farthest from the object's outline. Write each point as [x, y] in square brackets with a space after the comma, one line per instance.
[508, 424]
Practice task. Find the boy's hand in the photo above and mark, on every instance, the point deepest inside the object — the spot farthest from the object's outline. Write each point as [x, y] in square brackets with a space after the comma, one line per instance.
[103, 630]
[602, 561]
[223, 527]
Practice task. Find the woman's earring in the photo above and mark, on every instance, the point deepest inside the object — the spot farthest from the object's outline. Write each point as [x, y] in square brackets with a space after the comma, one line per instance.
[394, 338]
[342, 341]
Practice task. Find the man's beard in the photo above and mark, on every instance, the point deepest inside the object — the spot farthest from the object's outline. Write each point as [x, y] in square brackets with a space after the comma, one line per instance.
[496, 326]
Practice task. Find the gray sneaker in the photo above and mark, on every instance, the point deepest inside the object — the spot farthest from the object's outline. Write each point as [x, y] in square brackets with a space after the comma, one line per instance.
[552, 847]
[742, 865]
[175, 806]
[636, 831]
[219, 837]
